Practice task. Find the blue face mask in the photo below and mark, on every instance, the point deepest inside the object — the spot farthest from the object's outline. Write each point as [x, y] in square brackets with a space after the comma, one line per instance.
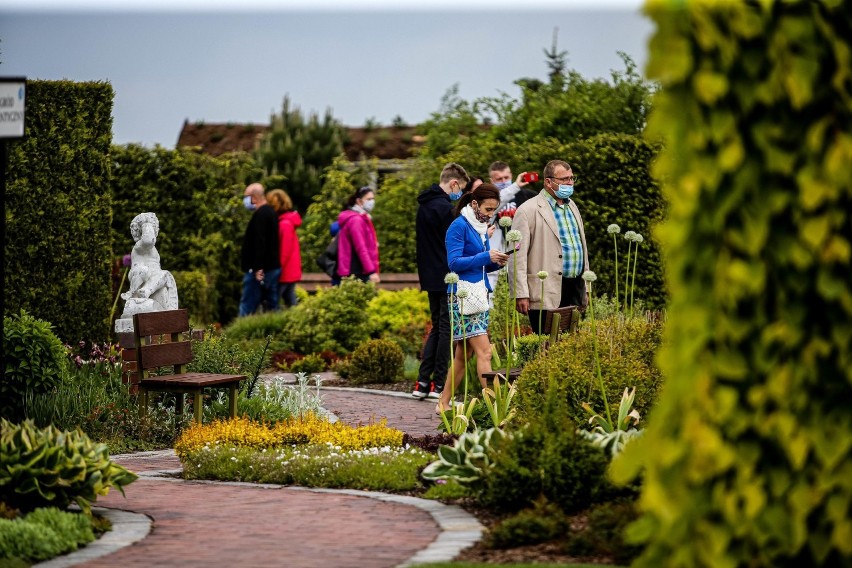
[564, 191]
[503, 184]
[248, 204]
[455, 196]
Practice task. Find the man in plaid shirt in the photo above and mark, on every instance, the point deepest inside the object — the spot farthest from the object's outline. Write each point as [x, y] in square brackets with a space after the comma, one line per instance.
[553, 240]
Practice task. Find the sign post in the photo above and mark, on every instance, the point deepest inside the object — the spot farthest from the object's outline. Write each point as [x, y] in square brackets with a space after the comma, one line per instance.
[13, 93]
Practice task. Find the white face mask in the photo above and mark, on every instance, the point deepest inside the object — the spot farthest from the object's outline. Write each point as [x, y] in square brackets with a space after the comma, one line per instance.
[369, 204]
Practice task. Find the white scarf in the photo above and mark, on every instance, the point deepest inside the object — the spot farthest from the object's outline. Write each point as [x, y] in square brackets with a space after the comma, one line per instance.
[478, 226]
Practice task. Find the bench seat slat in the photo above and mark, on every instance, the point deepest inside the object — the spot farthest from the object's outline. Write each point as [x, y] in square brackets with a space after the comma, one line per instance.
[160, 323]
[191, 380]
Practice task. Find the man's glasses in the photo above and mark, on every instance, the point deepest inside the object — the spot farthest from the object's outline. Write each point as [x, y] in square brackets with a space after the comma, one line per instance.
[568, 179]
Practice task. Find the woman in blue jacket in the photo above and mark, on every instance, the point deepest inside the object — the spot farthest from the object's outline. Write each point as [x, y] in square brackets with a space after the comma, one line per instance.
[469, 255]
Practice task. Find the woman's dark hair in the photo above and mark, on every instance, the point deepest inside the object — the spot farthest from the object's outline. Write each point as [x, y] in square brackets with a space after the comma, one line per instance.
[480, 194]
[361, 192]
[469, 185]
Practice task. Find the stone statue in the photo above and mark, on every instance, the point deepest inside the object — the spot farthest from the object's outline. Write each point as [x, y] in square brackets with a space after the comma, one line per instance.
[152, 289]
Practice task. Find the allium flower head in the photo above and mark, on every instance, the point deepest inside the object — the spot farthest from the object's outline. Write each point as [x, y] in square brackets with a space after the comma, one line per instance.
[462, 294]
[638, 238]
[630, 235]
[589, 276]
[505, 222]
[613, 229]
[125, 260]
[542, 274]
[451, 278]
[514, 236]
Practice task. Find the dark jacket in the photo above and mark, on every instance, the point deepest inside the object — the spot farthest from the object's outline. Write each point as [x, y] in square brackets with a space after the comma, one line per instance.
[434, 215]
[260, 243]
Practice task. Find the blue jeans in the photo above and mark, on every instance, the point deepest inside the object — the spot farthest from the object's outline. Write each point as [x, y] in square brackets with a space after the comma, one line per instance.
[288, 293]
[257, 293]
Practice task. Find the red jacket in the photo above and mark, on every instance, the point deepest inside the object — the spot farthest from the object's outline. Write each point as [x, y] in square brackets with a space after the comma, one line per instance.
[291, 257]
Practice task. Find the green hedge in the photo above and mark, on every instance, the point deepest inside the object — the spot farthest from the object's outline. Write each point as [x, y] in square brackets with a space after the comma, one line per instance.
[747, 456]
[58, 209]
[198, 201]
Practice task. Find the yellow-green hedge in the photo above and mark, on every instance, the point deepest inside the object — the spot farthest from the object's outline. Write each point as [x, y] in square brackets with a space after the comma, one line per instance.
[747, 457]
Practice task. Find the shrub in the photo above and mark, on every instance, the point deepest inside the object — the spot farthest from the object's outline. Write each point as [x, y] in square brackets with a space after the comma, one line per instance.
[334, 319]
[54, 261]
[198, 201]
[376, 361]
[194, 294]
[528, 347]
[52, 467]
[603, 534]
[217, 354]
[259, 326]
[546, 458]
[746, 457]
[34, 361]
[311, 363]
[542, 522]
[400, 316]
[270, 402]
[627, 347]
[43, 534]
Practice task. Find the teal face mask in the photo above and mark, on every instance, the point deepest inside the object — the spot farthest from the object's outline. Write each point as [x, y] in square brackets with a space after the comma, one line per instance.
[564, 191]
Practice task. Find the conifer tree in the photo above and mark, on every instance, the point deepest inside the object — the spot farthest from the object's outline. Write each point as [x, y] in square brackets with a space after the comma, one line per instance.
[300, 149]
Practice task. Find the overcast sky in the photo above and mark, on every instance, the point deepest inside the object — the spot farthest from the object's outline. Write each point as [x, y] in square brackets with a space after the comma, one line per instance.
[175, 60]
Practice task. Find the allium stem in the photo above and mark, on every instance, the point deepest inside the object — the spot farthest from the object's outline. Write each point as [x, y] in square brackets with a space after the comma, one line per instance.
[633, 279]
[597, 358]
[627, 274]
[541, 310]
[118, 294]
[615, 244]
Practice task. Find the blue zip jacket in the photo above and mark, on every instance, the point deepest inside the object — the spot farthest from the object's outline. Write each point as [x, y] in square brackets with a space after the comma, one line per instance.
[467, 255]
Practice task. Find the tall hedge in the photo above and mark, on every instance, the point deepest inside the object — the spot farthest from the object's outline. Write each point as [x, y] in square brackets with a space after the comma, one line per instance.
[748, 454]
[58, 209]
[198, 202]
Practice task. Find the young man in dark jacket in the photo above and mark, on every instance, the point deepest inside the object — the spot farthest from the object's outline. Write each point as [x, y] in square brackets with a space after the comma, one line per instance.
[434, 215]
[260, 260]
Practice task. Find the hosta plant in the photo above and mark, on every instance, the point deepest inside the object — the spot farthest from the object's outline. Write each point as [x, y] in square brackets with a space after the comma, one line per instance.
[499, 401]
[607, 435]
[50, 467]
[468, 459]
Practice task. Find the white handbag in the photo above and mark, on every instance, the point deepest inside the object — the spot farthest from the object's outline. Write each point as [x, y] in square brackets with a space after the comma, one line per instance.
[477, 296]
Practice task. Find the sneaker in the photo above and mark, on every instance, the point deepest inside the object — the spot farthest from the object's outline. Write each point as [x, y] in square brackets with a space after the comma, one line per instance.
[434, 394]
[419, 392]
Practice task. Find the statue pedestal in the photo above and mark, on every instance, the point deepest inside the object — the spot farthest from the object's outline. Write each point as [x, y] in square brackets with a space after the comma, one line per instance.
[124, 325]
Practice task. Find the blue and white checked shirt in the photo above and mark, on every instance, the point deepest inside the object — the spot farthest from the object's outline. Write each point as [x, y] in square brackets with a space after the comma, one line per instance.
[569, 236]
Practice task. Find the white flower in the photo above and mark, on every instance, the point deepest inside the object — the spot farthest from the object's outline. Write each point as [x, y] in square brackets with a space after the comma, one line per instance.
[462, 294]
[451, 278]
[630, 235]
[613, 229]
[637, 238]
[589, 276]
[505, 221]
[514, 236]
[542, 274]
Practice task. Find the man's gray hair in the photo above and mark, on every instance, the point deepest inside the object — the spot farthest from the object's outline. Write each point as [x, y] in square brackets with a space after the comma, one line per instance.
[551, 166]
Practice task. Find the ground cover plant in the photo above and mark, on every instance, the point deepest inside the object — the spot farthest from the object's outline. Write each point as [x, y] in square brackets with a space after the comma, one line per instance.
[42, 534]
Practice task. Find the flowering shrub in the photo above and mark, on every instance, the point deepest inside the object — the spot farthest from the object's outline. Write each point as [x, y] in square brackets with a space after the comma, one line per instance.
[241, 432]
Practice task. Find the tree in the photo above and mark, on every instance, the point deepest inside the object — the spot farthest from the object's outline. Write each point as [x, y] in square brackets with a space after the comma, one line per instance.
[300, 149]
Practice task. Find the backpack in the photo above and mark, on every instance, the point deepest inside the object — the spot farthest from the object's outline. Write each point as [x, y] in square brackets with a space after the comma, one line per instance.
[328, 259]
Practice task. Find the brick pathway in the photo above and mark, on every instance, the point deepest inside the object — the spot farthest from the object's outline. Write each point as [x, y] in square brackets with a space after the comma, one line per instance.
[229, 524]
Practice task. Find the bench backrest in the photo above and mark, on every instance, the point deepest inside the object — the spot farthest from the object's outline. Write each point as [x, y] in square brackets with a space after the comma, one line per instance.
[162, 340]
[569, 319]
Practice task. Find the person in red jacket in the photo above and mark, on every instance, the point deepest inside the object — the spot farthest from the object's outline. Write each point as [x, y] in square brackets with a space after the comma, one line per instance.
[357, 245]
[288, 244]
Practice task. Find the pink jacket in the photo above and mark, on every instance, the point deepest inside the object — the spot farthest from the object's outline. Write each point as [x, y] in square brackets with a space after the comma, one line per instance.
[356, 234]
[288, 241]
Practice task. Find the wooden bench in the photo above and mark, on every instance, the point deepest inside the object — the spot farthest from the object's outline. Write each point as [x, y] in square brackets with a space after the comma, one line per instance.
[162, 340]
[311, 281]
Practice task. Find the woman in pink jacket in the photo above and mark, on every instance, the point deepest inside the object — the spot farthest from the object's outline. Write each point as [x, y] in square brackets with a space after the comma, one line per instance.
[357, 246]
[288, 244]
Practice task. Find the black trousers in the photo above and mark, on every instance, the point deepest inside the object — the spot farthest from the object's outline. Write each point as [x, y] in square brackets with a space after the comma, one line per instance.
[436, 352]
[573, 294]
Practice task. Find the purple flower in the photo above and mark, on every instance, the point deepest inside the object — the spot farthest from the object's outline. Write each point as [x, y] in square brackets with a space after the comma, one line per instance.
[125, 260]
